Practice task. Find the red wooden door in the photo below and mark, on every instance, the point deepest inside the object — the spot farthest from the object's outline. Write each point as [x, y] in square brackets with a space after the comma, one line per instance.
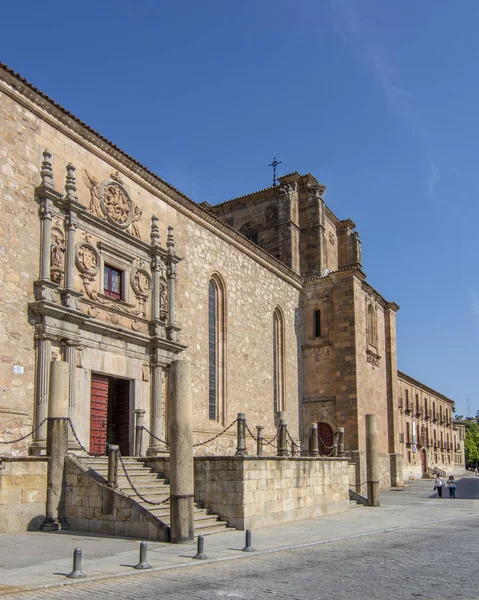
[98, 413]
[325, 439]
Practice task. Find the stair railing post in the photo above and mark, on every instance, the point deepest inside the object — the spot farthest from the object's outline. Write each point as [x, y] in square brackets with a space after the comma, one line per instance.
[241, 435]
[259, 440]
[313, 440]
[340, 441]
[113, 466]
[139, 415]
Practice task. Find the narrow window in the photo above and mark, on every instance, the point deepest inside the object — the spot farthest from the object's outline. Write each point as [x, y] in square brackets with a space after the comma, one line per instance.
[112, 282]
[278, 362]
[317, 323]
[216, 349]
[371, 327]
[212, 350]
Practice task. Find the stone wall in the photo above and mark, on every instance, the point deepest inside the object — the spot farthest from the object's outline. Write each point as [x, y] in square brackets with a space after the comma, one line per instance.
[92, 506]
[23, 488]
[252, 492]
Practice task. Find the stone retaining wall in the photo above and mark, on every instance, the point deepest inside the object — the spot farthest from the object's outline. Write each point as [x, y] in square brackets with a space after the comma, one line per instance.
[252, 492]
[23, 488]
[92, 506]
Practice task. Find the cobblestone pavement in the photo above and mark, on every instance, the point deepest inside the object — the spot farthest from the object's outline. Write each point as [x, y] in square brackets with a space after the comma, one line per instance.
[429, 561]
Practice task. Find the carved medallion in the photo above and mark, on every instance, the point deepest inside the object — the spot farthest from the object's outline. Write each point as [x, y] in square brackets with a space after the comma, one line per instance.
[87, 258]
[115, 202]
[331, 238]
[141, 282]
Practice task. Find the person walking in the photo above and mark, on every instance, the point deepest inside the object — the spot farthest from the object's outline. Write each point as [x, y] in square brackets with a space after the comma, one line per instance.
[438, 485]
[451, 486]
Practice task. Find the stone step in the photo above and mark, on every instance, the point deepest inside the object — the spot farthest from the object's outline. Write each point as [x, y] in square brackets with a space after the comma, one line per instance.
[153, 487]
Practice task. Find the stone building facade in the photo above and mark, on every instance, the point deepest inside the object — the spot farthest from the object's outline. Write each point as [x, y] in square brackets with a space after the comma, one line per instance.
[111, 269]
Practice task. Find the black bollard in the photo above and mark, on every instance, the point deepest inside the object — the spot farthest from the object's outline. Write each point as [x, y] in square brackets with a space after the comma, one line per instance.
[200, 555]
[143, 564]
[248, 547]
[77, 572]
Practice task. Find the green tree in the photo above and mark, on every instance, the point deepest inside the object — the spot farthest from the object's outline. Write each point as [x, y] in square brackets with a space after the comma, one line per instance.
[471, 442]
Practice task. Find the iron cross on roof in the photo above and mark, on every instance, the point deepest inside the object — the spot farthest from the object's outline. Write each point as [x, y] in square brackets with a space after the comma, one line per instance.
[274, 164]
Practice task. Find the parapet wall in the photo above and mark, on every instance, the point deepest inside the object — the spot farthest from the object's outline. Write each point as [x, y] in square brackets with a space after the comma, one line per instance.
[252, 492]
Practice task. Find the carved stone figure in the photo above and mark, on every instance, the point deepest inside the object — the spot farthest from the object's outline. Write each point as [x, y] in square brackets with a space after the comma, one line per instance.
[136, 218]
[163, 300]
[93, 185]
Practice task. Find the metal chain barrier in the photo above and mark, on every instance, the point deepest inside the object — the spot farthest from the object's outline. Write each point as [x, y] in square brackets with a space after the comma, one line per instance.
[216, 436]
[294, 445]
[271, 441]
[250, 432]
[132, 485]
[154, 436]
[82, 447]
[25, 436]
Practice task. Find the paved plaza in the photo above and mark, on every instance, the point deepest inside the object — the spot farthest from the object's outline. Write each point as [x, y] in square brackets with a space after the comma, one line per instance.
[413, 538]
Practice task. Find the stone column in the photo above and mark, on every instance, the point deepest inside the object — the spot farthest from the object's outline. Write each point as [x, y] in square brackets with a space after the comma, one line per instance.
[313, 440]
[42, 375]
[156, 396]
[241, 435]
[70, 352]
[70, 252]
[282, 435]
[45, 238]
[57, 444]
[139, 415]
[372, 463]
[181, 454]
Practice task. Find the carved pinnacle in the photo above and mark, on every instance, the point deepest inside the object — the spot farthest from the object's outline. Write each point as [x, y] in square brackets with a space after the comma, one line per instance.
[46, 171]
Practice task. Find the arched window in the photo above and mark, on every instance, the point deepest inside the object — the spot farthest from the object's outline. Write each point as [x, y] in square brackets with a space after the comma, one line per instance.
[216, 349]
[278, 361]
[252, 234]
[317, 323]
[371, 327]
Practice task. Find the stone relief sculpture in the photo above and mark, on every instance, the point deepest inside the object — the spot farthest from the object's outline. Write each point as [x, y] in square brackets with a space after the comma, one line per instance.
[93, 185]
[57, 252]
[163, 299]
[137, 214]
[110, 201]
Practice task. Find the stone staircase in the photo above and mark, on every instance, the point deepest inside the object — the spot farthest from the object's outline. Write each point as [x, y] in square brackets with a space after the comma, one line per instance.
[152, 488]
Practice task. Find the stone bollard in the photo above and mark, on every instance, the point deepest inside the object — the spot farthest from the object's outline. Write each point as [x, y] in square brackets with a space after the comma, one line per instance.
[57, 445]
[340, 441]
[282, 435]
[241, 435]
[313, 440]
[248, 547]
[200, 555]
[112, 476]
[77, 572]
[259, 440]
[372, 464]
[180, 429]
[139, 415]
[143, 564]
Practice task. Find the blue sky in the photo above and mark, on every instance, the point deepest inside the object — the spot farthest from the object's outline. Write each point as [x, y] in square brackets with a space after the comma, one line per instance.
[378, 100]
